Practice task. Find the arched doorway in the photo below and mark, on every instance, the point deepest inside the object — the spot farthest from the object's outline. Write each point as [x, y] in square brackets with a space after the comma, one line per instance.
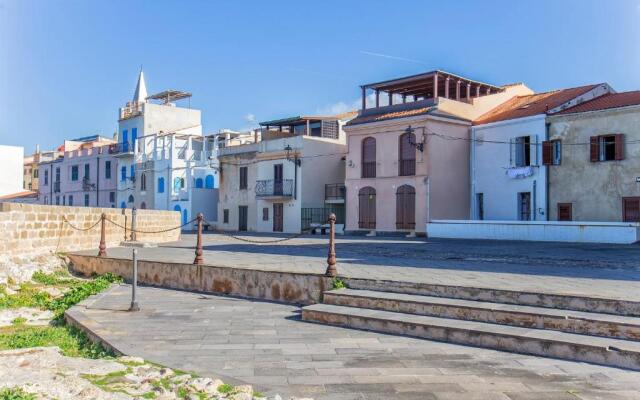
[406, 207]
[143, 205]
[208, 182]
[367, 209]
[199, 183]
[184, 216]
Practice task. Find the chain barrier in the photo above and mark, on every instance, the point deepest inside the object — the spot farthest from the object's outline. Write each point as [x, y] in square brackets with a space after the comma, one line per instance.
[251, 240]
[64, 219]
[151, 232]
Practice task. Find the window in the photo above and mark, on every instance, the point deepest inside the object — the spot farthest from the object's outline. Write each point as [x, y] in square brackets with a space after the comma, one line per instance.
[406, 154]
[143, 181]
[265, 214]
[199, 183]
[523, 151]
[565, 211]
[125, 140]
[607, 147]
[123, 205]
[369, 157]
[367, 208]
[86, 200]
[58, 174]
[74, 173]
[35, 173]
[178, 183]
[130, 199]
[112, 197]
[123, 174]
[107, 170]
[143, 205]
[133, 172]
[243, 178]
[208, 182]
[480, 206]
[225, 216]
[405, 207]
[86, 171]
[46, 177]
[631, 209]
[524, 206]
[70, 200]
[160, 185]
[134, 137]
[551, 152]
[64, 199]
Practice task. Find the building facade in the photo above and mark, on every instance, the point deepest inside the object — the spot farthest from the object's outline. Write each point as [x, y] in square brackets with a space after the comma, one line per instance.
[286, 177]
[31, 173]
[508, 175]
[408, 152]
[11, 169]
[595, 174]
[84, 176]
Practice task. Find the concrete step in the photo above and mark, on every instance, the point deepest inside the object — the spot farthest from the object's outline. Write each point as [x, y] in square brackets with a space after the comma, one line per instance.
[539, 298]
[605, 325]
[568, 346]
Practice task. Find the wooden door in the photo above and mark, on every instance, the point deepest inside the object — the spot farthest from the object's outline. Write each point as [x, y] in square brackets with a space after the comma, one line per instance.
[278, 217]
[243, 216]
[367, 209]
[565, 212]
[277, 179]
[525, 206]
[405, 207]
[631, 209]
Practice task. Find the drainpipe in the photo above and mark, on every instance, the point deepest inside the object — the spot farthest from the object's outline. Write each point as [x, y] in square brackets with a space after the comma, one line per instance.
[546, 172]
[98, 183]
[535, 203]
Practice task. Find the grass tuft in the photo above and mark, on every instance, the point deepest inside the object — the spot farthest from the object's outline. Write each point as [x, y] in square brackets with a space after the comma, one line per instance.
[225, 388]
[15, 394]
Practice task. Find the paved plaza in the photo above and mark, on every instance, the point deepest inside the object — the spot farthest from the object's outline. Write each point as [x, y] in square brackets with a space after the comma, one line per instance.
[267, 345]
[596, 270]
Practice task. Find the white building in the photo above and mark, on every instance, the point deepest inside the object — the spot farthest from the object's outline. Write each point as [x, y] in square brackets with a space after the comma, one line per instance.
[11, 169]
[285, 177]
[165, 162]
[508, 178]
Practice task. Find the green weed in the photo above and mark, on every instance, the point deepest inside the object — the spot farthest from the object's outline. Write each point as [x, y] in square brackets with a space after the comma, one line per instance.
[15, 394]
[337, 283]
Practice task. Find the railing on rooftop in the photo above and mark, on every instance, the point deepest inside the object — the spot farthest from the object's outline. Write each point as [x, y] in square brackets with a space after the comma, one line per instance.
[334, 191]
[121, 148]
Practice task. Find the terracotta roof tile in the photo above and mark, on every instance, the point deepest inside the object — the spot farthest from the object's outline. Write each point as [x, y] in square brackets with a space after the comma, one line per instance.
[26, 193]
[390, 115]
[611, 100]
[529, 105]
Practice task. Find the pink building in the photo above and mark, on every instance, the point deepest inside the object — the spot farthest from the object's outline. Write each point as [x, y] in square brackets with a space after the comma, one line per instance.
[85, 176]
[408, 150]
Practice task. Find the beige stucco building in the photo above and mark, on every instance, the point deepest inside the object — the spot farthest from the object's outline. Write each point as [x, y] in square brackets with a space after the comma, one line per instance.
[408, 160]
[597, 176]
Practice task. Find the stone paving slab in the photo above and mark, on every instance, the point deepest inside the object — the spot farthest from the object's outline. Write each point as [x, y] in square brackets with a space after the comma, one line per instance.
[267, 345]
[594, 270]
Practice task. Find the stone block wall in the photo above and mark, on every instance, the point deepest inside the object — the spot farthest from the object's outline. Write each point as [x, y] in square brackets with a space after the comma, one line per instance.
[32, 229]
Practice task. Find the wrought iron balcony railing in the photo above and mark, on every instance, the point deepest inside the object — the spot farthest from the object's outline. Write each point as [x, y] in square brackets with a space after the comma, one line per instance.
[273, 188]
[121, 148]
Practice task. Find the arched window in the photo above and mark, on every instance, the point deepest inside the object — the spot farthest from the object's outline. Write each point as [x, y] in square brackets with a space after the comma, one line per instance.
[406, 207]
[199, 183]
[369, 157]
[177, 208]
[143, 181]
[143, 205]
[160, 185]
[406, 154]
[367, 209]
[130, 199]
[208, 182]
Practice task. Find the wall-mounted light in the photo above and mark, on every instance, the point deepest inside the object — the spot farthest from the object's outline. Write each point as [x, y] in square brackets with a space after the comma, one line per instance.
[419, 146]
[295, 158]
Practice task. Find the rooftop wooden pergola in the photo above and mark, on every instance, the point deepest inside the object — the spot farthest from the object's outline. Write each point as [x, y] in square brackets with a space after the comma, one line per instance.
[428, 86]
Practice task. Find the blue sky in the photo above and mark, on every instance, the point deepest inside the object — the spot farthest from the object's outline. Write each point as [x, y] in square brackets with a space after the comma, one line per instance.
[66, 66]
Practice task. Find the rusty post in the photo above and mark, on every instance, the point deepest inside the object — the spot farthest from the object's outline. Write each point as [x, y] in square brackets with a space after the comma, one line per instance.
[103, 243]
[331, 258]
[134, 225]
[199, 259]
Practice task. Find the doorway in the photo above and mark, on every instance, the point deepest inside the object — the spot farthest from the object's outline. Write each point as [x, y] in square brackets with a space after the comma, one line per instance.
[524, 206]
[278, 217]
[631, 209]
[243, 214]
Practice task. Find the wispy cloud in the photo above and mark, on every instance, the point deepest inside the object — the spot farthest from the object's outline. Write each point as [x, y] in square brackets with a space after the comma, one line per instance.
[309, 71]
[391, 57]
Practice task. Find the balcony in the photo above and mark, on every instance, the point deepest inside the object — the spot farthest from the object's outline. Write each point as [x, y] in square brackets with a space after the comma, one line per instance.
[274, 189]
[87, 185]
[334, 193]
[121, 149]
[56, 187]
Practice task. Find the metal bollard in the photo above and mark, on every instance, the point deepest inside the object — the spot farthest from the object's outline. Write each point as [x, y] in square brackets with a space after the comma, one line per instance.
[199, 259]
[134, 282]
[332, 271]
[133, 224]
[102, 249]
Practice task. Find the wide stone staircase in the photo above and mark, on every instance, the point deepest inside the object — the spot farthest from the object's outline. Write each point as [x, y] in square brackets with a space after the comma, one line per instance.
[595, 330]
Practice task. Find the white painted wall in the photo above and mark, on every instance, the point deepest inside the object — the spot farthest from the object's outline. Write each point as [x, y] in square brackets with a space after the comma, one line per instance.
[11, 163]
[546, 231]
[490, 162]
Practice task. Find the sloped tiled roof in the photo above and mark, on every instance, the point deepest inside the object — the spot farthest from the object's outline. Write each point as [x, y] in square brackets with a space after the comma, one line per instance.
[530, 105]
[390, 115]
[26, 193]
[611, 100]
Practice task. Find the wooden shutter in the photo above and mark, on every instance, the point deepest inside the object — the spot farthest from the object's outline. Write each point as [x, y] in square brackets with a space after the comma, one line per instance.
[367, 208]
[405, 207]
[565, 212]
[619, 146]
[594, 148]
[547, 152]
[631, 209]
[369, 158]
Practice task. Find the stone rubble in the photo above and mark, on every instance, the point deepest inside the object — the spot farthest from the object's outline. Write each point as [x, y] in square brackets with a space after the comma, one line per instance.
[32, 316]
[17, 269]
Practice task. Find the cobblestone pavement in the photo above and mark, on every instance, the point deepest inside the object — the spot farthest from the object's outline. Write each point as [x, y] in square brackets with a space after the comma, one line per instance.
[267, 345]
[582, 269]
